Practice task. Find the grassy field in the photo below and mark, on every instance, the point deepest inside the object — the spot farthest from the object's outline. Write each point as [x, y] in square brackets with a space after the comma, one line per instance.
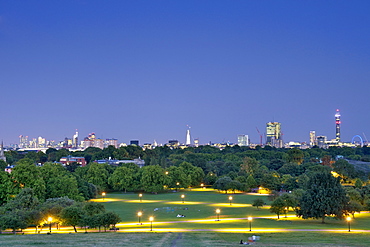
[200, 227]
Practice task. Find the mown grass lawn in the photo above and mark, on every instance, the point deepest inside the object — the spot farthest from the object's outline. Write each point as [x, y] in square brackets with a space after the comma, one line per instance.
[200, 227]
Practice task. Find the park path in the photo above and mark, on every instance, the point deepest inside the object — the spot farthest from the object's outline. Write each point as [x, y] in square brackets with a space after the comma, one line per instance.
[174, 242]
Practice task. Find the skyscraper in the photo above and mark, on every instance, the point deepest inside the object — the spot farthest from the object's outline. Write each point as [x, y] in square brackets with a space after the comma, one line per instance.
[75, 140]
[337, 126]
[313, 138]
[243, 140]
[273, 134]
[188, 138]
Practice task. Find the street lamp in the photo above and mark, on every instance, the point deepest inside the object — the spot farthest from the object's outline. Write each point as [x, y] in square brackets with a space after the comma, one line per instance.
[218, 211]
[151, 218]
[103, 194]
[349, 223]
[50, 219]
[250, 223]
[230, 199]
[182, 197]
[201, 185]
[286, 210]
[139, 214]
[140, 196]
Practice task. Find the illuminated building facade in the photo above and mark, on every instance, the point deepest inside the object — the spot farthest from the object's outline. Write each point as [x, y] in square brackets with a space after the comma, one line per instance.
[337, 126]
[188, 138]
[313, 141]
[243, 140]
[273, 134]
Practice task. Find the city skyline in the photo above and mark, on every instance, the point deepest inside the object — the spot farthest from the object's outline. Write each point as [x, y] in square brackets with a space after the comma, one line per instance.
[273, 136]
[144, 70]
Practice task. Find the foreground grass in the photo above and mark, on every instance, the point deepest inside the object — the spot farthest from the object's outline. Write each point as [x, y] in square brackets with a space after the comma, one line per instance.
[188, 239]
[199, 227]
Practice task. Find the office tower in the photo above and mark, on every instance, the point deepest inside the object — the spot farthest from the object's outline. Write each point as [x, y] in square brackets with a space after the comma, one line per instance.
[2, 155]
[75, 140]
[23, 141]
[196, 142]
[41, 142]
[111, 142]
[321, 141]
[312, 138]
[188, 139]
[273, 134]
[243, 140]
[337, 126]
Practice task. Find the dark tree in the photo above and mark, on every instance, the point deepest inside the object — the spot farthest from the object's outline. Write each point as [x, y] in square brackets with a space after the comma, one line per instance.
[324, 196]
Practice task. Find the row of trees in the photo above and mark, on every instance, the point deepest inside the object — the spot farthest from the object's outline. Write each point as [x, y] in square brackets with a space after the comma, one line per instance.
[26, 210]
[54, 180]
[209, 158]
[323, 196]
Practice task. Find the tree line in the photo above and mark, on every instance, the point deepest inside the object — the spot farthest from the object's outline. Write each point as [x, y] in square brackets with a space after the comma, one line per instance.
[26, 210]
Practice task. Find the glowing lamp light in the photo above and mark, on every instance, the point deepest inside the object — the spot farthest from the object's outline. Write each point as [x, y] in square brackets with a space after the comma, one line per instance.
[250, 223]
[218, 211]
[230, 199]
[50, 219]
[151, 218]
[349, 223]
[139, 214]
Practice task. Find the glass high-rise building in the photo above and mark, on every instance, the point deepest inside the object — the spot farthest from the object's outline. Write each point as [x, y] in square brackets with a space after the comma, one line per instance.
[273, 134]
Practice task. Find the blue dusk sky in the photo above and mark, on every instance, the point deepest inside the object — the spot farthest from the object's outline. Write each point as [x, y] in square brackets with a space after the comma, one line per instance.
[146, 69]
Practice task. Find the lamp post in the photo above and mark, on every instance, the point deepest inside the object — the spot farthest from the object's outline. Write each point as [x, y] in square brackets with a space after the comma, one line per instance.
[230, 199]
[103, 195]
[218, 211]
[250, 223]
[349, 223]
[139, 214]
[140, 196]
[182, 197]
[151, 218]
[50, 219]
[177, 186]
[286, 210]
[201, 185]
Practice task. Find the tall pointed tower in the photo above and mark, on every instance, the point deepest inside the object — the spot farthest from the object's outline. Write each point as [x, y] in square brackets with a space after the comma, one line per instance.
[2, 156]
[337, 126]
[188, 139]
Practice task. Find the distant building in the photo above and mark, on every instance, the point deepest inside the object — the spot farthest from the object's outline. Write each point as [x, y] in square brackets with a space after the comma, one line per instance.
[138, 162]
[134, 142]
[321, 141]
[243, 140]
[69, 160]
[196, 142]
[23, 141]
[75, 140]
[337, 126]
[111, 142]
[313, 141]
[173, 143]
[188, 138]
[274, 135]
[92, 141]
